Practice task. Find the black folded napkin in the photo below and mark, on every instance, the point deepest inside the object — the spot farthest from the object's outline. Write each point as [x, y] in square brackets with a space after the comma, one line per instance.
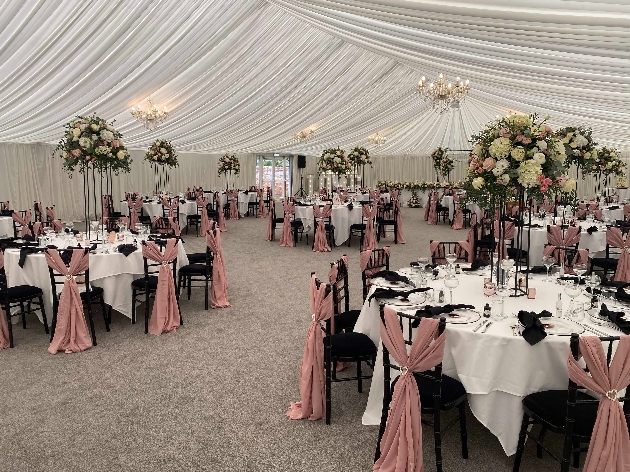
[133, 232]
[538, 270]
[391, 293]
[596, 291]
[614, 207]
[477, 264]
[302, 204]
[613, 283]
[622, 294]
[433, 311]
[246, 192]
[616, 317]
[534, 331]
[183, 201]
[127, 249]
[592, 229]
[350, 206]
[25, 251]
[390, 276]
[191, 199]
[573, 278]
[6, 212]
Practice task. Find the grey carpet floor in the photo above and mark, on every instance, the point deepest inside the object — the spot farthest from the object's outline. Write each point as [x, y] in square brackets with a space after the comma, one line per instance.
[213, 395]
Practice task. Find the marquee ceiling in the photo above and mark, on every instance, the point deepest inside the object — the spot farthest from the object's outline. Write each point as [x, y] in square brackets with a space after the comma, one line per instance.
[245, 75]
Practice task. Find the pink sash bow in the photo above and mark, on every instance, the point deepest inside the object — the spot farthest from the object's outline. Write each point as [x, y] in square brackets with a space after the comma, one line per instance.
[232, 195]
[571, 237]
[432, 202]
[614, 238]
[609, 449]
[165, 315]
[286, 240]
[134, 206]
[71, 332]
[24, 222]
[220, 215]
[261, 203]
[401, 444]
[320, 243]
[218, 296]
[171, 205]
[369, 240]
[205, 223]
[458, 219]
[312, 404]
[399, 227]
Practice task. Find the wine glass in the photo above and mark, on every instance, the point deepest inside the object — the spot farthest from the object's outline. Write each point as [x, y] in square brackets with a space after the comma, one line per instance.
[451, 281]
[573, 290]
[580, 270]
[507, 265]
[450, 258]
[503, 291]
[548, 261]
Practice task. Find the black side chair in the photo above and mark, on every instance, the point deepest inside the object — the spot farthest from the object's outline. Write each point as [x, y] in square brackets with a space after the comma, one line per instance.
[345, 318]
[438, 392]
[359, 228]
[379, 260]
[194, 220]
[385, 219]
[570, 412]
[17, 227]
[448, 247]
[196, 272]
[611, 260]
[253, 206]
[37, 214]
[146, 286]
[22, 297]
[162, 226]
[345, 347]
[88, 296]
[165, 210]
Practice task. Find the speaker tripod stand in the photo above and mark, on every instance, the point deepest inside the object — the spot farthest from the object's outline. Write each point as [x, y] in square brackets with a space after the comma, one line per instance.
[301, 193]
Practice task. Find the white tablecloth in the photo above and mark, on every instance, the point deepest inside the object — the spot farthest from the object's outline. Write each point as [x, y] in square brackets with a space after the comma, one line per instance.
[496, 368]
[341, 217]
[595, 243]
[154, 209]
[6, 226]
[624, 193]
[113, 272]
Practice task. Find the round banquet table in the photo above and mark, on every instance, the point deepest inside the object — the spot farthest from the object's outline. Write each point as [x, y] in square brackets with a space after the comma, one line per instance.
[497, 368]
[113, 272]
[624, 193]
[447, 201]
[595, 243]
[243, 200]
[6, 226]
[341, 217]
[153, 208]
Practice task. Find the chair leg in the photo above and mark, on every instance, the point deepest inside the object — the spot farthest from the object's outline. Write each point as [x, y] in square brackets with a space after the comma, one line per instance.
[521, 443]
[576, 454]
[7, 310]
[146, 311]
[43, 310]
[206, 294]
[360, 386]
[541, 438]
[462, 429]
[104, 314]
[437, 433]
[23, 313]
[91, 320]
[328, 384]
[133, 306]
[188, 286]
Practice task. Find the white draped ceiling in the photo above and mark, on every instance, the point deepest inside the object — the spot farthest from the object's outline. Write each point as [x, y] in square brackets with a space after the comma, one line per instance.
[245, 75]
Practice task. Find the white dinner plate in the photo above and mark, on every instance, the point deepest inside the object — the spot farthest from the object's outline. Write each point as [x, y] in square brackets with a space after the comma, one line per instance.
[560, 327]
[387, 284]
[397, 301]
[461, 316]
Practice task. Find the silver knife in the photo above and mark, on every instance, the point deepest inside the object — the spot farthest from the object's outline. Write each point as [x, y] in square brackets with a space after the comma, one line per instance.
[487, 326]
[479, 326]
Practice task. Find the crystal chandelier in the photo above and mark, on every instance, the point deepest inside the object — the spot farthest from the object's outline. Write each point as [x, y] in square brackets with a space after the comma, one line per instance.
[442, 94]
[377, 138]
[151, 117]
[304, 135]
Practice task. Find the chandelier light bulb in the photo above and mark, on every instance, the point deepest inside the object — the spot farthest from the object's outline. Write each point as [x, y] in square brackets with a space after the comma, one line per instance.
[152, 117]
[442, 94]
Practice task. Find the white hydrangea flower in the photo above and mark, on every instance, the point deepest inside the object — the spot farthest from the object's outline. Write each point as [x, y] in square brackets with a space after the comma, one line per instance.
[500, 147]
[539, 158]
[85, 142]
[541, 145]
[518, 153]
[478, 182]
[528, 173]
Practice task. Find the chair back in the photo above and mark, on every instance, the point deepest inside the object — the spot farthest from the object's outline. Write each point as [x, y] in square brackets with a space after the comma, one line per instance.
[170, 208]
[439, 250]
[38, 211]
[57, 279]
[163, 225]
[372, 261]
[152, 268]
[22, 225]
[338, 279]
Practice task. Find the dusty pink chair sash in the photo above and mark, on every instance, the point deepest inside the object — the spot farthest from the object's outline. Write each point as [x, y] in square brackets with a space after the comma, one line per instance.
[286, 240]
[50, 213]
[134, 208]
[427, 206]
[219, 295]
[261, 203]
[171, 223]
[24, 222]
[626, 212]
[502, 236]
[399, 228]
[233, 197]
[582, 209]
[369, 240]
[71, 331]
[432, 202]
[375, 195]
[171, 205]
[105, 201]
[320, 243]
[614, 238]
[571, 237]
[205, 223]
[56, 226]
[548, 206]
[220, 215]
[394, 193]
[312, 404]
[4, 328]
[437, 251]
[609, 449]
[5, 205]
[401, 445]
[38, 207]
[458, 219]
[165, 315]
[38, 228]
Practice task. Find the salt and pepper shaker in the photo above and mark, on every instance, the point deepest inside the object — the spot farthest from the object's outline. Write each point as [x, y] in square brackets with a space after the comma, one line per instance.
[487, 311]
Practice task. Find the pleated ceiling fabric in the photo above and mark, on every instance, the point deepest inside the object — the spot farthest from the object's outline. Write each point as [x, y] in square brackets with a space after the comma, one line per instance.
[245, 75]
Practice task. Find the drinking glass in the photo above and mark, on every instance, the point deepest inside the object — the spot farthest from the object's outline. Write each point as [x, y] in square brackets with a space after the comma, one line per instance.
[451, 281]
[503, 291]
[450, 258]
[576, 311]
[580, 270]
[548, 261]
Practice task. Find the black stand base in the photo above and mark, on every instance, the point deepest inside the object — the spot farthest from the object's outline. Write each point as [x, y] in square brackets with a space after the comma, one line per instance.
[300, 193]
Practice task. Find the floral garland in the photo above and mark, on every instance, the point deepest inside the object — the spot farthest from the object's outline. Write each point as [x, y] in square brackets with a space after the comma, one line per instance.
[605, 162]
[360, 156]
[229, 163]
[513, 153]
[443, 164]
[92, 141]
[162, 153]
[335, 161]
[579, 146]
[419, 185]
[414, 201]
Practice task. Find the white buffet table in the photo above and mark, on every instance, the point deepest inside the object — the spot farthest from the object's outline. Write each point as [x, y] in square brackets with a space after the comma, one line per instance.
[497, 368]
[113, 272]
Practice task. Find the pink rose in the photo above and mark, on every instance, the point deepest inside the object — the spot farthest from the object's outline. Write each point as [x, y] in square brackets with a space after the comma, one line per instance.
[480, 170]
[519, 138]
[526, 140]
[76, 152]
[488, 164]
[115, 143]
[504, 133]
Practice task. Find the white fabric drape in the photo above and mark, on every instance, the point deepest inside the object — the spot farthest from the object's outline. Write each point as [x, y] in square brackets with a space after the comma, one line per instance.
[245, 75]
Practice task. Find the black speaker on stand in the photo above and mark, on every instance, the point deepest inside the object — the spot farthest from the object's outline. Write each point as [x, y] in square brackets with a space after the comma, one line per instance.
[301, 160]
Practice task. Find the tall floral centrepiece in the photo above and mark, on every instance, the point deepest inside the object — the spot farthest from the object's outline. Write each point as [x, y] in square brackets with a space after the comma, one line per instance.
[91, 142]
[513, 154]
[579, 146]
[229, 165]
[359, 157]
[442, 163]
[335, 162]
[162, 157]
